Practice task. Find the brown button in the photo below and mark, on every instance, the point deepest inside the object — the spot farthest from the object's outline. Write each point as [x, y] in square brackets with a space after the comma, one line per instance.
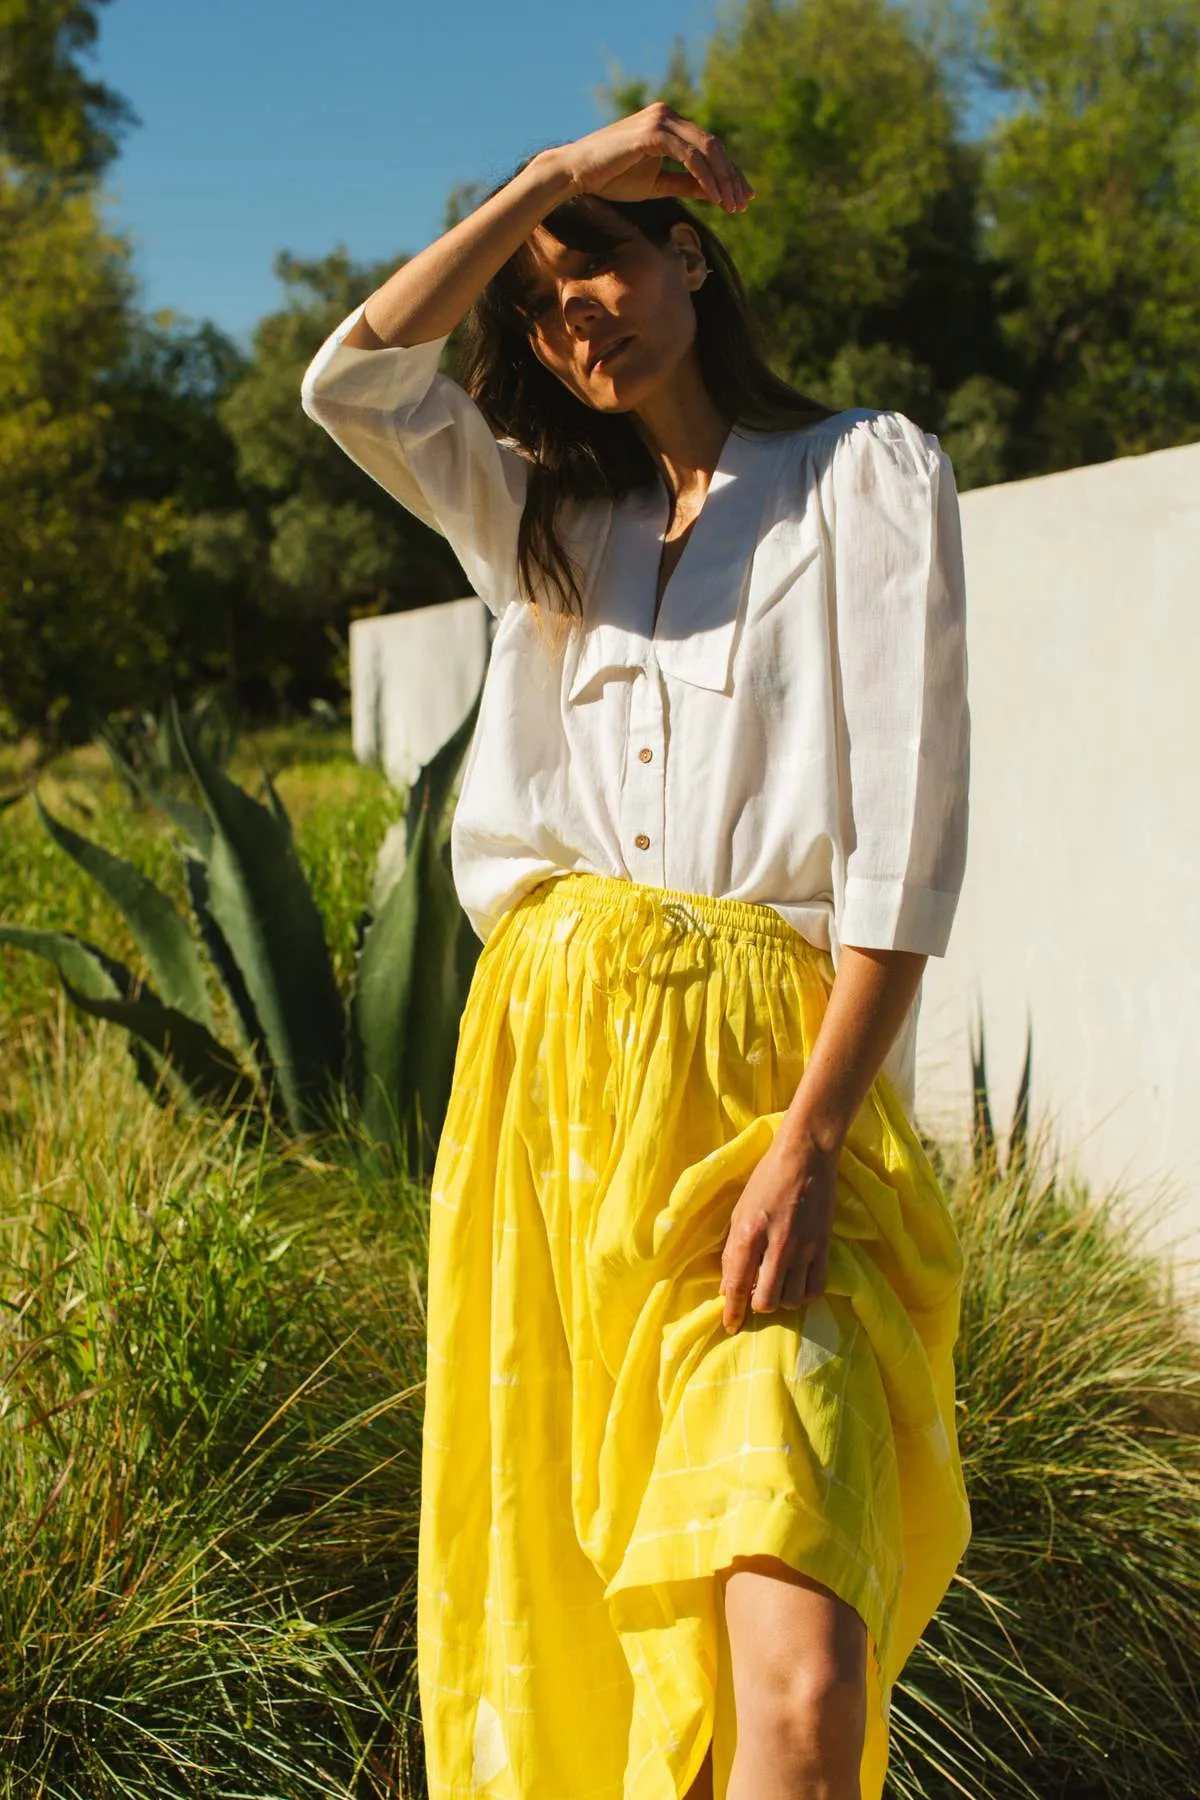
[645, 755]
[642, 841]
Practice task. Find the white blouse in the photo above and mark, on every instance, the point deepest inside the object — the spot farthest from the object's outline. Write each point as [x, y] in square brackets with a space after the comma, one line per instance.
[793, 729]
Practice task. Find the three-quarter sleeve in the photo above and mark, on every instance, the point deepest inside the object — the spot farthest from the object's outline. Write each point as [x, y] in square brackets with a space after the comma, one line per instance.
[900, 612]
[419, 434]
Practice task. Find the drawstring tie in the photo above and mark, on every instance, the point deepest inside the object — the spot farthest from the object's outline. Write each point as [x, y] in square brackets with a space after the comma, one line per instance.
[619, 948]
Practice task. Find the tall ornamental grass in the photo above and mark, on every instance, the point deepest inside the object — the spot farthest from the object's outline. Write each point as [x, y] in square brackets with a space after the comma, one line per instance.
[209, 1456]
[1064, 1663]
[210, 1406]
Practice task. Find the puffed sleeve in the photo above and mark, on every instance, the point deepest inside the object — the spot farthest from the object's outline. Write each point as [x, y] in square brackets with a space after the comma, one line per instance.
[902, 661]
[422, 438]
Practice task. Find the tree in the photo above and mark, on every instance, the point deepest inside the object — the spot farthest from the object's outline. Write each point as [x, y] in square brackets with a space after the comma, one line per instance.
[860, 253]
[1091, 197]
[53, 120]
[80, 576]
[335, 544]
[80, 567]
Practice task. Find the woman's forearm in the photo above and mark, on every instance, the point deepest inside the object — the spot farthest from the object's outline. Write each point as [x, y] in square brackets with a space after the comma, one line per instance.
[871, 993]
[430, 293]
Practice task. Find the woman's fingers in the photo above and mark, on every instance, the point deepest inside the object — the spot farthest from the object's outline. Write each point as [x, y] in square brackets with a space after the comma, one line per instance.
[754, 1274]
[684, 149]
[704, 155]
[623, 160]
[777, 1267]
[818, 1274]
[768, 1286]
[739, 1268]
[793, 1293]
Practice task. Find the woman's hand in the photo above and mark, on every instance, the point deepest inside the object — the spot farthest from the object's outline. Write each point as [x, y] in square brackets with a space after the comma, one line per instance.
[623, 161]
[780, 1230]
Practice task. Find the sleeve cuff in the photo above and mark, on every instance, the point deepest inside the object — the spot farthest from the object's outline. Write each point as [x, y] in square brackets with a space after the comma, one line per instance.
[891, 915]
[382, 380]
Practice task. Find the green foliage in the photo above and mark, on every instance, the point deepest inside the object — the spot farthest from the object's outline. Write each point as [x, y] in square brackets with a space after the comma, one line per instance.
[1028, 292]
[1091, 194]
[984, 1152]
[983, 214]
[385, 1058]
[209, 1474]
[52, 117]
[143, 744]
[80, 573]
[332, 543]
[859, 254]
[1063, 1659]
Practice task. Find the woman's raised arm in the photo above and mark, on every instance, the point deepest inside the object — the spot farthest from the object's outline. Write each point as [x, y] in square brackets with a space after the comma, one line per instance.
[375, 384]
[428, 296]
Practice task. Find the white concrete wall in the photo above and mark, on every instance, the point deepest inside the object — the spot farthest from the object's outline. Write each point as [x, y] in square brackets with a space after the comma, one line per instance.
[413, 677]
[1081, 903]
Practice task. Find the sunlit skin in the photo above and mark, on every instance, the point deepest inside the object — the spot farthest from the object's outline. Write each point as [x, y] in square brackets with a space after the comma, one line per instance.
[799, 1652]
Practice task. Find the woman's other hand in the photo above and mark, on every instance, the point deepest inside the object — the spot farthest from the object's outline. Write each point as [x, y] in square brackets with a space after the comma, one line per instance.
[623, 161]
[777, 1249]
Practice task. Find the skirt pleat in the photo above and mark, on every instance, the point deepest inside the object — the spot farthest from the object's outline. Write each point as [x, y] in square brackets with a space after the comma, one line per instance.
[595, 1445]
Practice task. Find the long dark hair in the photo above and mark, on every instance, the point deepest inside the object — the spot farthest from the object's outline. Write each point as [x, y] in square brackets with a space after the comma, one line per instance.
[575, 450]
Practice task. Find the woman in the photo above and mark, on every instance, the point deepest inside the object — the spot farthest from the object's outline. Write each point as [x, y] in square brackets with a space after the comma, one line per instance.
[690, 1482]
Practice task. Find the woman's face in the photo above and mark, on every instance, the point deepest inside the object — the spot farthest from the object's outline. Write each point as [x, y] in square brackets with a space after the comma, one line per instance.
[637, 297]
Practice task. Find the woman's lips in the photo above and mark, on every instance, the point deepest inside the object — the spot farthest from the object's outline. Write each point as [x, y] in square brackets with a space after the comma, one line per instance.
[606, 356]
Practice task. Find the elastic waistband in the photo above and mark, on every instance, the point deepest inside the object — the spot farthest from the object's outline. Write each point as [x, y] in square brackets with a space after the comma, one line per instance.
[672, 909]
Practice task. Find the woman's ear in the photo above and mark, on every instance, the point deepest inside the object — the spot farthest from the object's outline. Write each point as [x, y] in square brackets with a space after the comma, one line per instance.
[685, 241]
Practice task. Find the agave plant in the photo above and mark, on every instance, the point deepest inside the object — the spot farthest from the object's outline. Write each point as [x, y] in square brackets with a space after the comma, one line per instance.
[984, 1152]
[383, 1057]
[144, 743]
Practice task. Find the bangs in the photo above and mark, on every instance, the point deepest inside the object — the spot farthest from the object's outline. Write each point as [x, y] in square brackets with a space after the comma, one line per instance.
[577, 224]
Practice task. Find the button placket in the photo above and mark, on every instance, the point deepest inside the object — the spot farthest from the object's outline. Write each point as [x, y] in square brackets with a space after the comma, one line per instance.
[643, 798]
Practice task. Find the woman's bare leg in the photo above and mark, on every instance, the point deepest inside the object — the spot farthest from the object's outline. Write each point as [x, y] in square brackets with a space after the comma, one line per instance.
[798, 1654]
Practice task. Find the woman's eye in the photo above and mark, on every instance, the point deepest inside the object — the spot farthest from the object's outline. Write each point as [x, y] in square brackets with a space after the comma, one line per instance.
[592, 266]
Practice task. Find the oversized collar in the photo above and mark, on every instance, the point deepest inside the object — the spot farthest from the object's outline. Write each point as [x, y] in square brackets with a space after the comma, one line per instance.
[693, 639]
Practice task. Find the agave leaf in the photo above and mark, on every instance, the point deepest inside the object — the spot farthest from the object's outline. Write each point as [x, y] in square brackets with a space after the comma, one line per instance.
[260, 898]
[983, 1134]
[94, 974]
[274, 804]
[160, 931]
[92, 970]
[466, 956]
[381, 1002]
[195, 874]
[435, 1010]
[436, 777]
[190, 819]
[209, 1071]
[354, 1042]
[1018, 1141]
[11, 799]
[414, 965]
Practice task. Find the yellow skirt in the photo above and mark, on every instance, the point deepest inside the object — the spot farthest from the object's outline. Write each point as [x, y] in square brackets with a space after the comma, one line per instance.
[596, 1445]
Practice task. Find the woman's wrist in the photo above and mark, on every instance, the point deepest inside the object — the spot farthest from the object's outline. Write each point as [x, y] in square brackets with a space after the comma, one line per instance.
[805, 1132]
[551, 169]
[871, 993]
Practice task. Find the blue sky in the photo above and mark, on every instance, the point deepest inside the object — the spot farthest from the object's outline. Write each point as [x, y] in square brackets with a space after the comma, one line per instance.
[299, 124]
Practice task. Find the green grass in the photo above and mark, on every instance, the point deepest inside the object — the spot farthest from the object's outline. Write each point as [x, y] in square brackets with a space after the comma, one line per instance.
[210, 1393]
[209, 1472]
[1069, 1644]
